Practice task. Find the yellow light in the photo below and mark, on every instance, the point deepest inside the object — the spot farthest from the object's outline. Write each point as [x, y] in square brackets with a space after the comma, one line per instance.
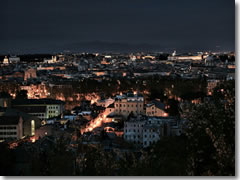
[33, 140]
[165, 114]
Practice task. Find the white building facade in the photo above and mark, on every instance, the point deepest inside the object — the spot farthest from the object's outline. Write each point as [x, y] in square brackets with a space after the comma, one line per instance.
[145, 131]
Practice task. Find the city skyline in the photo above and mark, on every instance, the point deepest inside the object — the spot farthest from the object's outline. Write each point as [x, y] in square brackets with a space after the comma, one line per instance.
[117, 88]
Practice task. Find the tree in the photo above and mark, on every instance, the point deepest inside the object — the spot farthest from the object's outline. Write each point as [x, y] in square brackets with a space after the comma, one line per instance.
[211, 134]
[166, 158]
[173, 110]
[157, 94]
[22, 94]
[7, 160]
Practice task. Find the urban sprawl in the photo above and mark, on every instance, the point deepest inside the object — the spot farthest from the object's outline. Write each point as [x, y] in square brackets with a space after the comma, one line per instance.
[113, 105]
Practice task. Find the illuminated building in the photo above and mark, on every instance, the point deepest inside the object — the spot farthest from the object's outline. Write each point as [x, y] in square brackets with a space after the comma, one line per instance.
[175, 57]
[198, 57]
[30, 123]
[128, 103]
[14, 59]
[53, 60]
[11, 127]
[104, 61]
[36, 91]
[29, 74]
[5, 60]
[148, 57]
[156, 108]
[41, 108]
[145, 131]
[105, 102]
[110, 109]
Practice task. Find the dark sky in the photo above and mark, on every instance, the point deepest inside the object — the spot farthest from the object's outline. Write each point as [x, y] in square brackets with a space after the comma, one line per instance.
[28, 26]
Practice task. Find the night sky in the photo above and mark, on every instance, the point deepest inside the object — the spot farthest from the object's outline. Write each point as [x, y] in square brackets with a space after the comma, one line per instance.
[42, 26]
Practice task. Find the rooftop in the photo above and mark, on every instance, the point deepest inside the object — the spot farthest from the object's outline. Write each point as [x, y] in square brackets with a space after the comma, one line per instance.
[111, 105]
[36, 101]
[9, 120]
[157, 103]
[33, 109]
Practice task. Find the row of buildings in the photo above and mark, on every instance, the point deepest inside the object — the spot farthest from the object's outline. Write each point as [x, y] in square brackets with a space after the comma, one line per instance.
[47, 77]
[143, 123]
[145, 131]
[20, 118]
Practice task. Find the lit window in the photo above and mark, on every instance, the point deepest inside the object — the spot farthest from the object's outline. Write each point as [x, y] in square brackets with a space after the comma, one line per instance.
[5, 103]
[32, 127]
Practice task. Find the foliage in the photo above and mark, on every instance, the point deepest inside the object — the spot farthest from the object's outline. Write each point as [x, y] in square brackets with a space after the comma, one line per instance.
[166, 158]
[7, 159]
[55, 162]
[22, 94]
[211, 134]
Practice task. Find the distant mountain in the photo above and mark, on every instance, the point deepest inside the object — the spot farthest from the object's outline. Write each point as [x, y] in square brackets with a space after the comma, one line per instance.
[102, 46]
[106, 46]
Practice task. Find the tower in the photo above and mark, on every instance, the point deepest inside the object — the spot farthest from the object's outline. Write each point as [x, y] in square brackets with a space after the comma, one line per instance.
[5, 60]
[174, 53]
